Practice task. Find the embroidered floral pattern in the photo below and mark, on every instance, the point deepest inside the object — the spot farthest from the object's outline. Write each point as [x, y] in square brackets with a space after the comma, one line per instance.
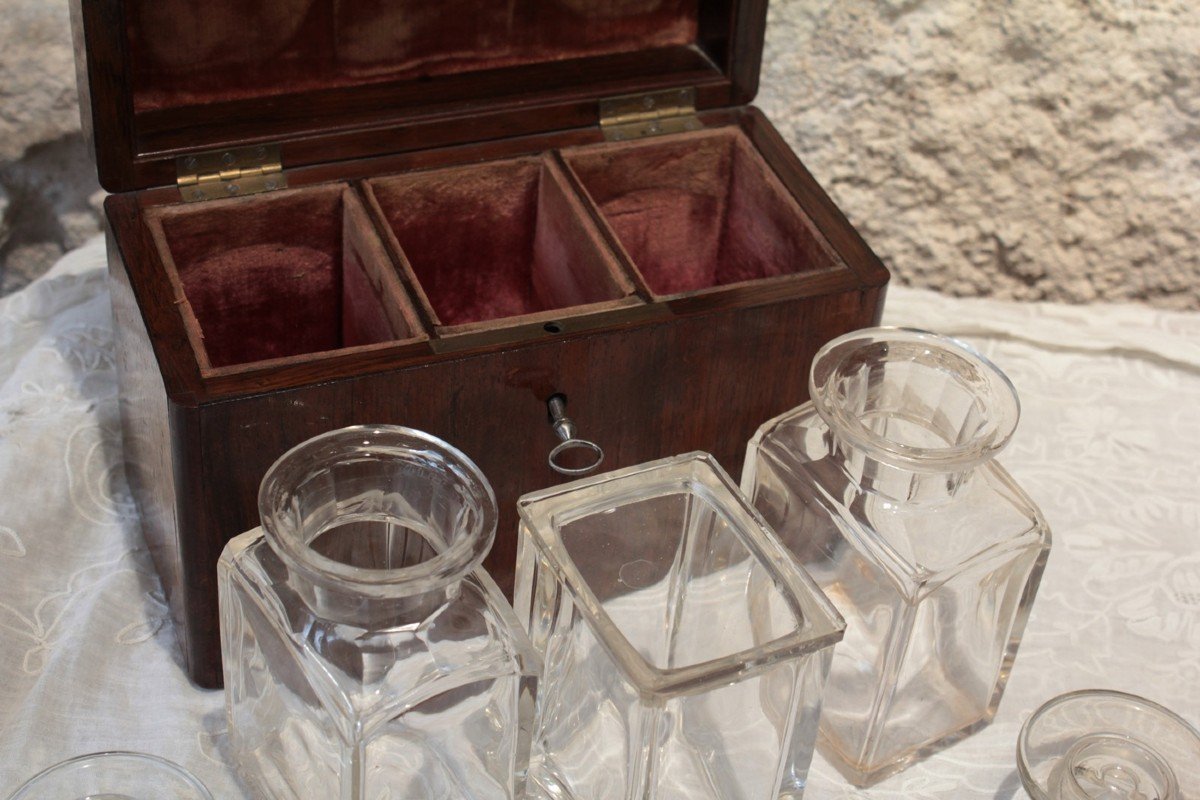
[10, 543]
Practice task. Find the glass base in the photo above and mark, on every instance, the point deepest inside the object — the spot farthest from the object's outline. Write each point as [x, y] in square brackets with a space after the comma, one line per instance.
[866, 775]
[1103, 745]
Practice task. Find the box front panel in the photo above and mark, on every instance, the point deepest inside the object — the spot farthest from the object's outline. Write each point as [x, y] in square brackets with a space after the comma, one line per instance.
[700, 383]
[642, 393]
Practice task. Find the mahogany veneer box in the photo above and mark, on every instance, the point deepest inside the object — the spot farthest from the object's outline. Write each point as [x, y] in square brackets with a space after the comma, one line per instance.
[441, 215]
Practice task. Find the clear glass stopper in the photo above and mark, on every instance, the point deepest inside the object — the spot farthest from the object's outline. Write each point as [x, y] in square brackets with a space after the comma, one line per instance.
[1104, 745]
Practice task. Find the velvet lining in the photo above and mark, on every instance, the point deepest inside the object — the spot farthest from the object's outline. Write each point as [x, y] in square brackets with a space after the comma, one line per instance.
[497, 240]
[698, 210]
[187, 52]
[302, 271]
[281, 274]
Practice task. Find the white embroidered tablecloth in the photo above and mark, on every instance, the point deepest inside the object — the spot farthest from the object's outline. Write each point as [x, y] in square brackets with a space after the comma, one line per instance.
[1109, 446]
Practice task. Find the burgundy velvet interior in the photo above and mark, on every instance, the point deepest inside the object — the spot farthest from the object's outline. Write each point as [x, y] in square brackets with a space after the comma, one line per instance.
[188, 52]
[497, 240]
[302, 271]
[282, 274]
[698, 210]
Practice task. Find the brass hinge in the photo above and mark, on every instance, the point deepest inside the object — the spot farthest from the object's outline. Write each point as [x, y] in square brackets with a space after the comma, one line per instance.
[230, 173]
[638, 115]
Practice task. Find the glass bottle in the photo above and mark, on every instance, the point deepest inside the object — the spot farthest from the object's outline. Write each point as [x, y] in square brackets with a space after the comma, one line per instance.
[684, 652]
[366, 654]
[885, 489]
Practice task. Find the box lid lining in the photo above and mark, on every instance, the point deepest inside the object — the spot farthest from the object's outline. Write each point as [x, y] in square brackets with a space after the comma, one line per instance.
[316, 77]
[187, 53]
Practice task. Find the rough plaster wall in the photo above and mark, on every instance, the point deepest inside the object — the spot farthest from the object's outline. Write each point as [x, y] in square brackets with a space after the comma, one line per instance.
[1026, 148]
[49, 198]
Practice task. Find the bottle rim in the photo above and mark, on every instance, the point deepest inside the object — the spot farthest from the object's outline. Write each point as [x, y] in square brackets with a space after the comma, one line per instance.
[991, 387]
[114, 772]
[467, 545]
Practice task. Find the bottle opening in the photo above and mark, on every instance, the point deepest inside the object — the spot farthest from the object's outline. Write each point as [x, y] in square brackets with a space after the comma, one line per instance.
[378, 542]
[382, 506]
[914, 399]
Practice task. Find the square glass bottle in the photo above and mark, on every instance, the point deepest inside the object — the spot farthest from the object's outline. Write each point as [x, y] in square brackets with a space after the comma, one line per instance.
[366, 653]
[883, 487]
[684, 652]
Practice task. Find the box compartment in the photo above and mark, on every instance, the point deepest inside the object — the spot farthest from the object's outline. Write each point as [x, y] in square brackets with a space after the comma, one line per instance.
[700, 210]
[499, 243]
[280, 275]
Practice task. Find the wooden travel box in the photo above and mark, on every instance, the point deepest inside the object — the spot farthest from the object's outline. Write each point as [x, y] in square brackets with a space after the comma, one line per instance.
[443, 215]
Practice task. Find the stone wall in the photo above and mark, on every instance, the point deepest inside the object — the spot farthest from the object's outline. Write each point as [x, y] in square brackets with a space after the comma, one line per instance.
[1026, 149]
[49, 198]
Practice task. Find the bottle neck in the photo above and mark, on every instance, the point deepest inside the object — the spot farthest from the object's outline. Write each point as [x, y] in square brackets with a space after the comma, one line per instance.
[380, 572]
[347, 604]
[912, 415]
[896, 483]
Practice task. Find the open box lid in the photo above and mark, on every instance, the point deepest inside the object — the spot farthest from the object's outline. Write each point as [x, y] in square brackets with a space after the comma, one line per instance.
[169, 87]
